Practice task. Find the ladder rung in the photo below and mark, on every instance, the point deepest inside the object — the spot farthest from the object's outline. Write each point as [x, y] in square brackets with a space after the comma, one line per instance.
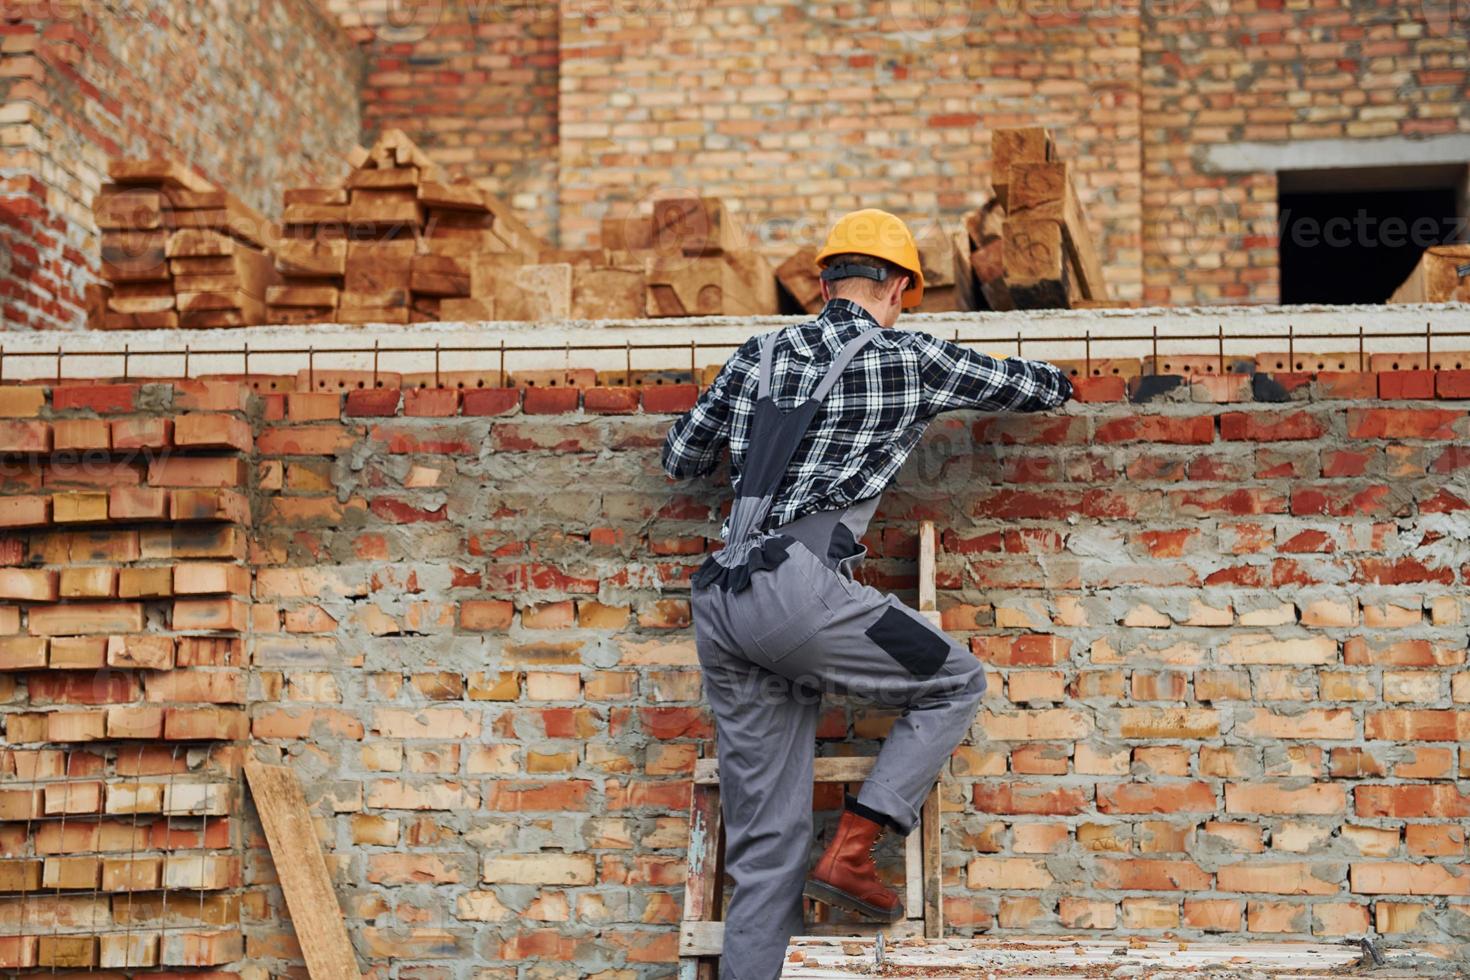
[831, 769]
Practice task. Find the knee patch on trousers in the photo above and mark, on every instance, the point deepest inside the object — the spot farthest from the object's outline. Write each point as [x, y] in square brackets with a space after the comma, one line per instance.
[912, 644]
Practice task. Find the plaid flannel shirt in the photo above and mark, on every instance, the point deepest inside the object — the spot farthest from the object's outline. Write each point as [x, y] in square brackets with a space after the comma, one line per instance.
[872, 417]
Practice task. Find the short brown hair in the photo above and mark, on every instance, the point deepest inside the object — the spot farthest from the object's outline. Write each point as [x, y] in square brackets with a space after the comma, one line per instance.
[860, 285]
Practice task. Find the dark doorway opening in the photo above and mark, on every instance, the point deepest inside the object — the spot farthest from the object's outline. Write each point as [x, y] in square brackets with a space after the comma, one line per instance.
[1353, 236]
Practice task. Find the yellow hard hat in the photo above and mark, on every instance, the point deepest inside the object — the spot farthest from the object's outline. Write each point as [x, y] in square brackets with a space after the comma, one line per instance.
[881, 235]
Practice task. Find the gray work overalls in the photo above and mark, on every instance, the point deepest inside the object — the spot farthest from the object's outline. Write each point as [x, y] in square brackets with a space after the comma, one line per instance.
[779, 620]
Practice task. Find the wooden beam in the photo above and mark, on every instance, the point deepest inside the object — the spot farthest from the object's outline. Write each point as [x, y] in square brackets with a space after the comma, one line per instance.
[1009, 147]
[1036, 269]
[315, 915]
[986, 226]
[694, 226]
[1436, 278]
[798, 276]
[1061, 957]
[708, 938]
[1048, 191]
[928, 593]
[727, 284]
[509, 228]
[169, 173]
[931, 829]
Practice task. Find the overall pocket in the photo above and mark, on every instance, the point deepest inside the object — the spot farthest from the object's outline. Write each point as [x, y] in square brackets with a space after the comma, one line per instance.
[783, 608]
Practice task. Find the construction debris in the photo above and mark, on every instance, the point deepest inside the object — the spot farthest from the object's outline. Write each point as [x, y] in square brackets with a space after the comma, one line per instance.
[1441, 276]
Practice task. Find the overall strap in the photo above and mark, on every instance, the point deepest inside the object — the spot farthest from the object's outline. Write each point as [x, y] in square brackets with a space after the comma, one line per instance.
[843, 358]
[768, 344]
[839, 363]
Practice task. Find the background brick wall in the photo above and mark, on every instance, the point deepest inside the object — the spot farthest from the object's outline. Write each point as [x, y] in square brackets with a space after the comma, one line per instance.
[791, 112]
[762, 106]
[475, 84]
[1219, 73]
[257, 99]
[796, 112]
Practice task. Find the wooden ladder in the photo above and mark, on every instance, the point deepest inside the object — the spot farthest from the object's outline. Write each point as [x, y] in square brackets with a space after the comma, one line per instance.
[701, 934]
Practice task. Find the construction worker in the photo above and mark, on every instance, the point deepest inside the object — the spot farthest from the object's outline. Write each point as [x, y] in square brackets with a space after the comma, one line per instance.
[818, 419]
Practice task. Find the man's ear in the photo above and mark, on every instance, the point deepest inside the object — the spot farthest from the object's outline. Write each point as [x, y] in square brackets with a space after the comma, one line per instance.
[826, 289]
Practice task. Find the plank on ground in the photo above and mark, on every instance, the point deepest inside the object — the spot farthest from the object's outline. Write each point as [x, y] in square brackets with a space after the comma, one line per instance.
[315, 915]
[1060, 957]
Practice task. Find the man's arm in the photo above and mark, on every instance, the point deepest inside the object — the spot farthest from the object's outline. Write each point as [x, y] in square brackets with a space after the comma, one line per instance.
[692, 447]
[956, 377]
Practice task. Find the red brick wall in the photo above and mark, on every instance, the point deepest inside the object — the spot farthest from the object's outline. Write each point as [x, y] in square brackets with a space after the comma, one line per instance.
[1218, 73]
[757, 105]
[1226, 628]
[256, 103]
[475, 84]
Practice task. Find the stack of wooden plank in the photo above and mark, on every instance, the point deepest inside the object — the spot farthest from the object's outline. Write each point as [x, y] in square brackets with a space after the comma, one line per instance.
[947, 287]
[393, 244]
[556, 284]
[178, 251]
[1442, 275]
[701, 263]
[685, 258]
[1030, 245]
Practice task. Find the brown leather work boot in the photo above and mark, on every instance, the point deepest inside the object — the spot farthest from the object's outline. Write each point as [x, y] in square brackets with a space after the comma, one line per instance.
[845, 875]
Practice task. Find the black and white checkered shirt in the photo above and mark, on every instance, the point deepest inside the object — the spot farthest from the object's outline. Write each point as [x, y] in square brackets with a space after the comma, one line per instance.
[873, 416]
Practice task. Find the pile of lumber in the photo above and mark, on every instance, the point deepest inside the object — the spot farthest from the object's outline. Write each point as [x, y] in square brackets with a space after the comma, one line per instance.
[1030, 245]
[397, 242]
[393, 244]
[685, 258]
[177, 251]
[701, 264]
[1442, 275]
[944, 282]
